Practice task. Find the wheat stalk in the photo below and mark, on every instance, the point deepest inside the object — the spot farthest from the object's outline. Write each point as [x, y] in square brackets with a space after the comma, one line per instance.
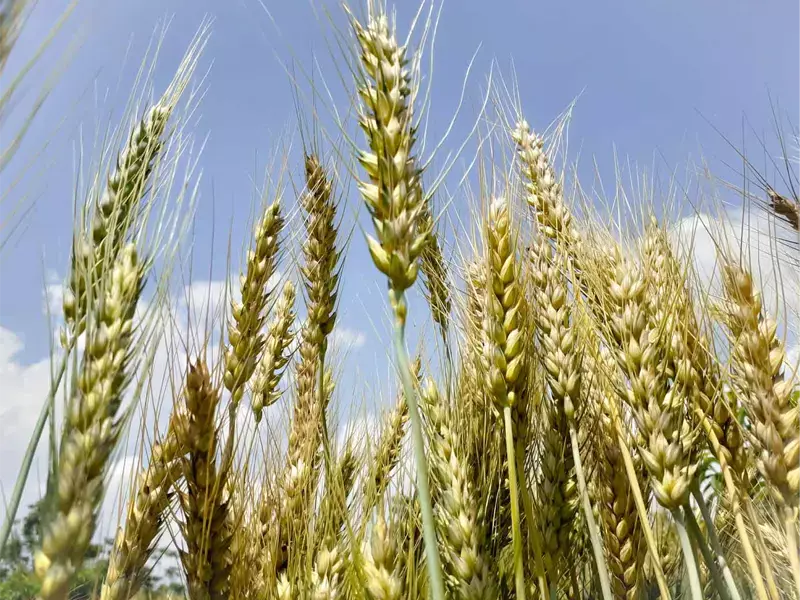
[393, 194]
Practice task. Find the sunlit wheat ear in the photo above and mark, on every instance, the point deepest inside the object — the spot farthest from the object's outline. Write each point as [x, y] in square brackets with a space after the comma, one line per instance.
[663, 430]
[622, 534]
[275, 356]
[327, 574]
[382, 572]
[542, 188]
[461, 534]
[480, 435]
[308, 428]
[206, 527]
[393, 188]
[92, 427]
[434, 273]
[144, 519]
[557, 489]
[504, 314]
[393, 194]
[114, 216]
[321, 269]
[505, 353]
[757, 373]
[320, 277]
[245, 338]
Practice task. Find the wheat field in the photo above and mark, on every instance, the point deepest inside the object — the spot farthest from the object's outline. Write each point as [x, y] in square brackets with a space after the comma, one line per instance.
[584, 418]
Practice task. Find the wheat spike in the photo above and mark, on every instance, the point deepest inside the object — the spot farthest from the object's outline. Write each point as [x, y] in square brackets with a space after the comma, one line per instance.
[92, 428]
[665, 435]
[393, 189]
[461, 534]
[145, 516]
[434, 272]
[382, 568]
[114, 215]
[275, 357]
[206, 527]
[245, 339]
[757, 359]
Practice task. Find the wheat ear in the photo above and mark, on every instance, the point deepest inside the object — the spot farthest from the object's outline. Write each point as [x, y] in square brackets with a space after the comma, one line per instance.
[382, 564]
[113, 217]
[275, 357]
[245, 338]
[757, 359]
[393, 194]
[461, 535]
[434, 274]
[504, 355]
[92, 428]
[206, 526]
[144, 519]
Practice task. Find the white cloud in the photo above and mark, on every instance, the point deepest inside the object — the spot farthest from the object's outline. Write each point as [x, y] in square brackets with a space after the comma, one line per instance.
[344, 338]
[24, 389]
[758, 243]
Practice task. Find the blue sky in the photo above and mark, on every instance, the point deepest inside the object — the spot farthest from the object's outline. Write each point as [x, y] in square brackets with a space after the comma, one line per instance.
[651, 76]
[650, 73]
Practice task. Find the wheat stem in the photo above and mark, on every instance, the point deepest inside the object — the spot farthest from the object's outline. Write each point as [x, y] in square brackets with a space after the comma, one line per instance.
[533, 533]
[428, 524]
[790, 522]
[716, 575]
[716, 545]
[641, 508]
[594, 534]
[688, 556]
[519, 574]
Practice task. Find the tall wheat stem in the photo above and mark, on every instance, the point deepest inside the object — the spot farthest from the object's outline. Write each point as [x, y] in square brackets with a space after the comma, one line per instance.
[716, 546]
[790, 522]
[594, 534]
[721, 587]
[519, 574]
[641, 508]
[533, 533]
[696, 592]
[428, 525]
